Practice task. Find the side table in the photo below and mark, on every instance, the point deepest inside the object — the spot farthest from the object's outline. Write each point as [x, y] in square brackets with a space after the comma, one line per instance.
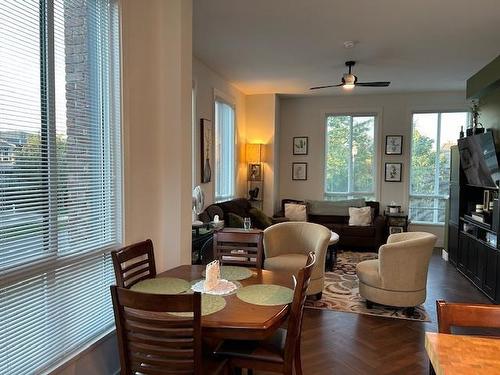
[396, 222]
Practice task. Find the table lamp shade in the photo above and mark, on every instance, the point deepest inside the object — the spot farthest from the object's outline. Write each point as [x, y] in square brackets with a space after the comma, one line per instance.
[253, 152]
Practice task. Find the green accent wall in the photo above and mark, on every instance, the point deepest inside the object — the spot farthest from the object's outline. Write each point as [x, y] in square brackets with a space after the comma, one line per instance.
[485, 86]
[485, 81]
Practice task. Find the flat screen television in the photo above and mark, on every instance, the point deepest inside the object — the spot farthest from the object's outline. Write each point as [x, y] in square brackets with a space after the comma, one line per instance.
[478, 160]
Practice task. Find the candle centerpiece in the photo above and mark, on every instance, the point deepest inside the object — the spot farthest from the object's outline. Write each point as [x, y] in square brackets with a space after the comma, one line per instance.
[212, 275]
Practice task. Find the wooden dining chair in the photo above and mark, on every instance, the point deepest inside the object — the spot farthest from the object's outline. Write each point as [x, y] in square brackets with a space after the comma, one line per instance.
[153, 341]
[134, 263]
[239, 247]
[281, 352]
[466, 315]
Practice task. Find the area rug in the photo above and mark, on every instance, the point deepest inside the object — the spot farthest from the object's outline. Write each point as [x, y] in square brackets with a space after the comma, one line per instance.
[341, 292]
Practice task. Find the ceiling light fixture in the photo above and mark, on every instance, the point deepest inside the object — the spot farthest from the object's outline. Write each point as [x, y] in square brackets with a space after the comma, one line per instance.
[349, 44]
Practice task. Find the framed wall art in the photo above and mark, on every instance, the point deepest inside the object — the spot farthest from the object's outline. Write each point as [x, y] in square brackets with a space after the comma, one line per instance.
[300, 145]
[254, 172]
[206, 150]
[299, 171]
[394, 145]
[393, 172]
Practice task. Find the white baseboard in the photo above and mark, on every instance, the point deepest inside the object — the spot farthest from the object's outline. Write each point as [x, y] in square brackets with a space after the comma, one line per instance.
[444, 255]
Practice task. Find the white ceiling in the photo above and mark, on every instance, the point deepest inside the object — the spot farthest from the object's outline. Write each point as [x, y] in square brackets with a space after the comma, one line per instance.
[287, 46]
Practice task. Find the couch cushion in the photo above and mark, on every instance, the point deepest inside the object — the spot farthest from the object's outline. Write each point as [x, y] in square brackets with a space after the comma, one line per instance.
[337, 208]
[361, 216]
[296, 212]
[367, 272]
[234, 221]
[357, 231]
[238, 206]
[259, 218]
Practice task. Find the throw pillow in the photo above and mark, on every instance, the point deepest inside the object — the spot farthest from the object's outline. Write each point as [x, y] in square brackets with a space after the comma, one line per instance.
[259, 218]
[296, 212]
[360, 216]
[234, 221]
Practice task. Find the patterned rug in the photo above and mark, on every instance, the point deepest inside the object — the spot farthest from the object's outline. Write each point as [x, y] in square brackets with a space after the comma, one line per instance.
[341, 292]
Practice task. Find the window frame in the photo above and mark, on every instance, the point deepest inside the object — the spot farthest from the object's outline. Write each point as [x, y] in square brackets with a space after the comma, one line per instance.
[363, 112]
[435, 197]
[220, 97]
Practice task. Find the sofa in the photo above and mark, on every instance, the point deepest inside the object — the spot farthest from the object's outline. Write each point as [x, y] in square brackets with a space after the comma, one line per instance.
[233, 212]
[335, 216]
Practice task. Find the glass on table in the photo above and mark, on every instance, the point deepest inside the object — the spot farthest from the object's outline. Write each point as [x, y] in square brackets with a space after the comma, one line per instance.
[247, 223]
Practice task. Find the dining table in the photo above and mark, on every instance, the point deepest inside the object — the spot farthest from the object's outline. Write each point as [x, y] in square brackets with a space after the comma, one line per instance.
[239, 319]
[462, 354]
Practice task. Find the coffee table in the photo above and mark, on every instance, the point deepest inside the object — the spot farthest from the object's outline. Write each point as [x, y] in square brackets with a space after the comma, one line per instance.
[332, 253]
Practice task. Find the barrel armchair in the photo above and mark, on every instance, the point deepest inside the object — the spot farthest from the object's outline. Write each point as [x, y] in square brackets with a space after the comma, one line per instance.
[399, 276]
[287, 245]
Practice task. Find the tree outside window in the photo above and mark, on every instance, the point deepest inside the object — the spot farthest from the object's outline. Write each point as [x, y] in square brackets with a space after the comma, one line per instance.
[350, 157]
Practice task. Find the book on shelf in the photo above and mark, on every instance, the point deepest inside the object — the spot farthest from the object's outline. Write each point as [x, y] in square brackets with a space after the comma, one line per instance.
[477, 217]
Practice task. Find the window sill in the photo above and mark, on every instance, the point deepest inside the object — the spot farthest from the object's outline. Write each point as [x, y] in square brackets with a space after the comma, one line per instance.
[426, 224]
[79, 353]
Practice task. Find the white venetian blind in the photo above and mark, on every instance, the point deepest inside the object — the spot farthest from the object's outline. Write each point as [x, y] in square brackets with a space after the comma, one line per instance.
[225, 163]
[60, 177]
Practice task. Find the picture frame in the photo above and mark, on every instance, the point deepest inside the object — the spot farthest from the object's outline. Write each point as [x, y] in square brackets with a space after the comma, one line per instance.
[394, 145]
[299, 171]
[300, 145]
[393, 230]
[206, 149]
[254, 172]
[393, 172]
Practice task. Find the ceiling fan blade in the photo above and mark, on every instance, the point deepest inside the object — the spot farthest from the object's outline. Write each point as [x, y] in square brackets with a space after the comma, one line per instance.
[324, 87]
[373, 84]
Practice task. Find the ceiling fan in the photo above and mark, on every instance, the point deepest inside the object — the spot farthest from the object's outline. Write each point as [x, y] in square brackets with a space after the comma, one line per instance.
[349, 80]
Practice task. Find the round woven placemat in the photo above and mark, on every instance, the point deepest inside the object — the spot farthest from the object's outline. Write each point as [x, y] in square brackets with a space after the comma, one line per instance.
[162, 285]
[209, 304]
[265, 294]
[233, 273]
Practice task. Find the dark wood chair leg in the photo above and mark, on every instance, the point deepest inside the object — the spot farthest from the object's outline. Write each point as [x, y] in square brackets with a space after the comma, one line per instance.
[298, 361]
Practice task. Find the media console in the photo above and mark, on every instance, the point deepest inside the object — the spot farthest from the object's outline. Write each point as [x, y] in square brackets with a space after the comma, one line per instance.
[472, 236]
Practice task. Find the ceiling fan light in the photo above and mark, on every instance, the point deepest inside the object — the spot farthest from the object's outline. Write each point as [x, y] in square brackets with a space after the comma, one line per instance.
[348, 86]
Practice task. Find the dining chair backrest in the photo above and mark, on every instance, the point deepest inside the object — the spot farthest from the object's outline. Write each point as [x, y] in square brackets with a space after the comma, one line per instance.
[134, 263]
[466, 315]
[153, 338]
[239, 247]
[297, 312]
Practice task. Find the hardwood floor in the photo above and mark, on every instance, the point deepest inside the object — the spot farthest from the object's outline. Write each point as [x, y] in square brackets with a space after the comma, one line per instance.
[345, 343]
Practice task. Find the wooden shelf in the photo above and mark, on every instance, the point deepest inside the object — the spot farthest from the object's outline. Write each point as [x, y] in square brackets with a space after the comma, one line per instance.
[484, 226]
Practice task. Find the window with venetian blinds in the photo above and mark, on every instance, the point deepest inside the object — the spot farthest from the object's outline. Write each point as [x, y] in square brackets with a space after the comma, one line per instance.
[225, 148]
[60, 177]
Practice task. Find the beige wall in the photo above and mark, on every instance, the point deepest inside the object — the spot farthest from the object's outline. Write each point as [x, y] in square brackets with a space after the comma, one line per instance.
[207, 83]
[262, 127]
[305, 117]
[156, 122]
